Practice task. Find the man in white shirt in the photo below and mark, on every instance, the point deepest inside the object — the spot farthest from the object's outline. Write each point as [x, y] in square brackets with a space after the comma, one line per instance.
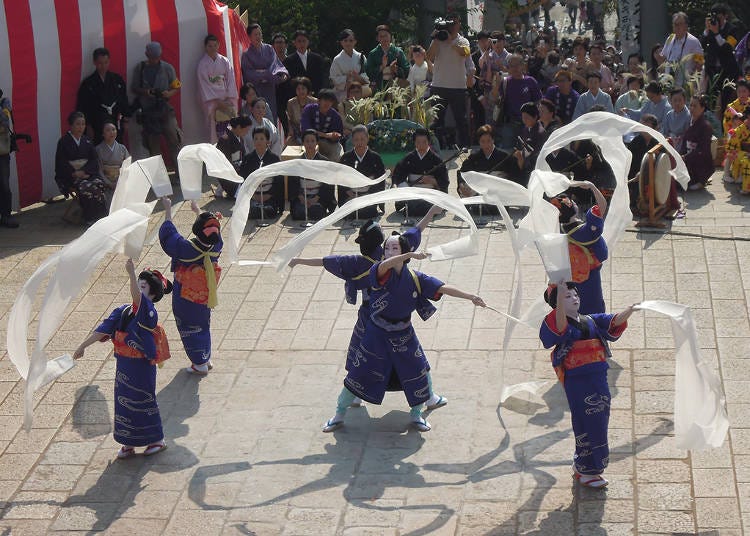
[449, 77]
[217, 87]
[680, 49]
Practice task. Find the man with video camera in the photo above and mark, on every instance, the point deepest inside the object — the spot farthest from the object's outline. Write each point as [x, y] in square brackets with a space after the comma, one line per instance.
[448, 52]
[718, 40]
[155, 82]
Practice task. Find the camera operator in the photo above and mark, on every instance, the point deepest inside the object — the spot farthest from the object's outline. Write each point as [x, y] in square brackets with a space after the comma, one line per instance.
[6, 148]
[448, 52]
[718, 40]
[155, 81]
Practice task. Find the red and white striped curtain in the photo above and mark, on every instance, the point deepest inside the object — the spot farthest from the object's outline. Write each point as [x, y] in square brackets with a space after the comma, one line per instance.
[46, 46]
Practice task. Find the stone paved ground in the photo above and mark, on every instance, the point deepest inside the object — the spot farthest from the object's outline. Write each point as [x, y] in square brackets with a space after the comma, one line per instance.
[246, 454]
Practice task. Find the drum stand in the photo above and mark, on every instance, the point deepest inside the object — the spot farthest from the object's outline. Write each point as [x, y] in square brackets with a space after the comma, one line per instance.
[655, 213]
[480, 221]
[307, 222]
[356, 223]
[407, 221]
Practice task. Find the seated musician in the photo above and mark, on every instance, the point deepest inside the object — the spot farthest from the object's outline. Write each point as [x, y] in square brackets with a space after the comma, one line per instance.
[111, 155]
[421, 168]
[77, 170]
[310, 199]
[268, 199]
[368, 163]
[486, 159]
[599, 172]
[639, 146]
[232, 145]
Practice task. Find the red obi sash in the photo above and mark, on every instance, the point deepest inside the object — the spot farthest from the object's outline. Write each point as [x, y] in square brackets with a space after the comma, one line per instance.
[160, 338]
[582, 353]
[192, 279]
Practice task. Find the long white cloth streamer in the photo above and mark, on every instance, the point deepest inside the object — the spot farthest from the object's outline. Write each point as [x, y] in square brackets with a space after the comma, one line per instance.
[320, 170]
[700, 418]
[461, 247]
[190, 162]
[67, 270]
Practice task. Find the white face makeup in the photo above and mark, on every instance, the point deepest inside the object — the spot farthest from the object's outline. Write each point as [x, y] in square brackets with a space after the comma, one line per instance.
[392, 247]
[144, 288]
[571, 302]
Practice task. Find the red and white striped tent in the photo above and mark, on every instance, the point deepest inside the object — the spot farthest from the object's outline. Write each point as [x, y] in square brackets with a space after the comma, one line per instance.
[48, 46]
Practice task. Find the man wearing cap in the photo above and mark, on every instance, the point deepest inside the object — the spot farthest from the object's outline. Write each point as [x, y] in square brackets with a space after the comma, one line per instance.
[155, 82]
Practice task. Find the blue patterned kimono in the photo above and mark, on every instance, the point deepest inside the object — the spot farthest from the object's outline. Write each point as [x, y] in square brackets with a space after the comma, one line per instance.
[190, 296]
[588, 251]
[137, 419]
[389, 343]
[580, 361]
[355, 270]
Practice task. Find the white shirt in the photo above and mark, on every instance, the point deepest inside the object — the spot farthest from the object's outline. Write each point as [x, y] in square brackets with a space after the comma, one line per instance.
[675, 50]
[303, 57]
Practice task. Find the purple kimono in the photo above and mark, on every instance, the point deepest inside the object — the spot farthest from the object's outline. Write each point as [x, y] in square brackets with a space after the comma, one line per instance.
[264, 69]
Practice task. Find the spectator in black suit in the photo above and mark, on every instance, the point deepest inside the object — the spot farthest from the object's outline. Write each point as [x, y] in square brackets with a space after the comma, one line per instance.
[305, 62]
[268, 199]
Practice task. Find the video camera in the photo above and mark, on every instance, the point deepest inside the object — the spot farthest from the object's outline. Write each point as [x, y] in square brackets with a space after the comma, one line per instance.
[442, 29]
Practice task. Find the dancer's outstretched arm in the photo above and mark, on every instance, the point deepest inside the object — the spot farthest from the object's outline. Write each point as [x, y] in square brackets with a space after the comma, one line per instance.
[449, 290]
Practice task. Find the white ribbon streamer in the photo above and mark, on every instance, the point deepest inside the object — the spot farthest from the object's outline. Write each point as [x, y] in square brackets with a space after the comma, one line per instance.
[462, 247]
[320, 170]
[700, 418]
[67, 270]
[534, 387]
[190, 162]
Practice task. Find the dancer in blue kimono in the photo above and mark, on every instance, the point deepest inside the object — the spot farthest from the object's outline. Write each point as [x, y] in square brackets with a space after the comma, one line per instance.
[140, 344]
[389, 344]
[587, 247]
[355, 270]
[579, 358]
[196, 275]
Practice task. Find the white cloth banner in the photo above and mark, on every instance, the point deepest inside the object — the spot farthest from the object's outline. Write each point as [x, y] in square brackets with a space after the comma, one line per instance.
[700, 418]
[67, 270]
[190, 163]
[320, 170]
[461, 247]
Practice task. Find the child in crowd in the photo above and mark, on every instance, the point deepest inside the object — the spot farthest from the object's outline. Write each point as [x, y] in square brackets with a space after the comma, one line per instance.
[677, 120]
[140, 344]
[421, 70]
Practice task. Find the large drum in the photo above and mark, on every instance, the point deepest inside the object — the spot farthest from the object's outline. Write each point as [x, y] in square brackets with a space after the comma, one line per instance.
[661, 180]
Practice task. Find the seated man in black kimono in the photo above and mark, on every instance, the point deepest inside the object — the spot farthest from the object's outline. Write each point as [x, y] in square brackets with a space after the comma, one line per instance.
[310, 199]
[268, 199]
[368, 163]
[486, 159]
[421, 168]
[231, 144]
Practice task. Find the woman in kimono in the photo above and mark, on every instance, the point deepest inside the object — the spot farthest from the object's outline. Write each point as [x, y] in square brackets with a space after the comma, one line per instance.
[111, 155]
[586, 245]
[354, 270]
[196, 275]
[302, 89]
[389, 347]
[77, 170]
[319, 197]
[696, 145]
[262, 67]
[140, 344]
[579, 358]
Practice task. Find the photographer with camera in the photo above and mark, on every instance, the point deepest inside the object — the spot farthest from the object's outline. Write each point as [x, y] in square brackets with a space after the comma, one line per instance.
[448, 52]
[6, 148]
[718, 41]
[155, 82]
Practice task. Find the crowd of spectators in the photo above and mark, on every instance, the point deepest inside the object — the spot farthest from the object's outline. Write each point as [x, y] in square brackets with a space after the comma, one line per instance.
[515, 85]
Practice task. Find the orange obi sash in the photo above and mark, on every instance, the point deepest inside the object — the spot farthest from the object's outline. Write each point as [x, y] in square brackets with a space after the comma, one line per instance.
[582, 261]
[194, 283]
[580, 354]
[160, 339]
